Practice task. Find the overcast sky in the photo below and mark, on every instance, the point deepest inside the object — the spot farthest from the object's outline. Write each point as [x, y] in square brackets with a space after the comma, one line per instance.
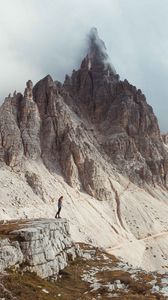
[40, 37]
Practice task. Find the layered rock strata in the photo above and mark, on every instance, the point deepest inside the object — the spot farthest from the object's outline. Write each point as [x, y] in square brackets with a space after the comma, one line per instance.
[40, 246]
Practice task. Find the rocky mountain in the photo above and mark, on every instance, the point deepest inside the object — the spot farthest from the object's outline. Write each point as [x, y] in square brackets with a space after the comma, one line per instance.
[56, 122]
[95, 140]
[125, 125]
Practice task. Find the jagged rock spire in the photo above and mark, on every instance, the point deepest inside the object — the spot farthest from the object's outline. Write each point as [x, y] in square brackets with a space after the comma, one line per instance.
[97, 54]
[97, 48]
[28, 93]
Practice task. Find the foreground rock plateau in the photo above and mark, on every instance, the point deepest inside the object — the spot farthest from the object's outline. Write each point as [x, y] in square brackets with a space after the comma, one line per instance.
[40, 246]
[92, 275]
[96, 141]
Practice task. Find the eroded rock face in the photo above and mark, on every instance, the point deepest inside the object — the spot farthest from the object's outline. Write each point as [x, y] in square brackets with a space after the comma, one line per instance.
[29, 126]
[165, 138]
[89, 128]
[124, 123]
[19, 128]
[35, 183]
[11, 146]
[10, 254]
[41, 246]
[28, 93]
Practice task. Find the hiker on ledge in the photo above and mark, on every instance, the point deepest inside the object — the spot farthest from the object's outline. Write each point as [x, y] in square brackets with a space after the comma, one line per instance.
[59, 207]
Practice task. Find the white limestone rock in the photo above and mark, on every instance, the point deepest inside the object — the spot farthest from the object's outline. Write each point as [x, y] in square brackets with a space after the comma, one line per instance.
[10, 254]
[44, 245]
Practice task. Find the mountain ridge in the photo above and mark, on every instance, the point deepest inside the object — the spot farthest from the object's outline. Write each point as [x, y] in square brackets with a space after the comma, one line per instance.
[94, 139]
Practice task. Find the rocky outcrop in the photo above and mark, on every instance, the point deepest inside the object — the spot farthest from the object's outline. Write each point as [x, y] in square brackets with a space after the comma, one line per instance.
[165, 138]
[35, 183]
[28, 93]
[19, 129]
[11, 146]
[40, 246]
[10, 254]
[29, 124]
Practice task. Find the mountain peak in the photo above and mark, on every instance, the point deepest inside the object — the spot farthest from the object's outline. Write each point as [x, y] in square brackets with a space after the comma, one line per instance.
[97, 54]
[97, 48]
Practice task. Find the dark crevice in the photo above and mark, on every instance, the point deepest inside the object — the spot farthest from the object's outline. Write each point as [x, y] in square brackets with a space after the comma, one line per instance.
[92, 84]
[92, 89]
[46, 104]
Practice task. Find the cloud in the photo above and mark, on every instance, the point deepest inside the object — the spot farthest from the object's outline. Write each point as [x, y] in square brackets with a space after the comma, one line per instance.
[41, 37]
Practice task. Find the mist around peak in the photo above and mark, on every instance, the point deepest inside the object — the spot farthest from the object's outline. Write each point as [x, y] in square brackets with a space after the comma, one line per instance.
[97, 51]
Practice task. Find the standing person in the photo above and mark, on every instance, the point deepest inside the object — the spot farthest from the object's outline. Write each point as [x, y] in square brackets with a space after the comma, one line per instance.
[59, 207]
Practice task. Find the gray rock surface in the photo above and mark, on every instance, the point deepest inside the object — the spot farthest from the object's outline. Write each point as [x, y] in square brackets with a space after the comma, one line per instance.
[124, 124]
[165, 138]
[86, 129]
[19, 129]
[41, 246]
[10, 254]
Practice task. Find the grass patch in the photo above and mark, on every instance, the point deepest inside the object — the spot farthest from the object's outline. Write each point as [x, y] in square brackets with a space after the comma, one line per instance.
[70, 286]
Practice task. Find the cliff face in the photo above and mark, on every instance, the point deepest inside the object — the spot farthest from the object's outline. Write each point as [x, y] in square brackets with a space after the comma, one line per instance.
[88, 128]
[40, 246]
[125, 125]
[19, 129]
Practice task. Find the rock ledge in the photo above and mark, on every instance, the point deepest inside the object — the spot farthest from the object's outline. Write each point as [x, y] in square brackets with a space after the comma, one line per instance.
[42, 246]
